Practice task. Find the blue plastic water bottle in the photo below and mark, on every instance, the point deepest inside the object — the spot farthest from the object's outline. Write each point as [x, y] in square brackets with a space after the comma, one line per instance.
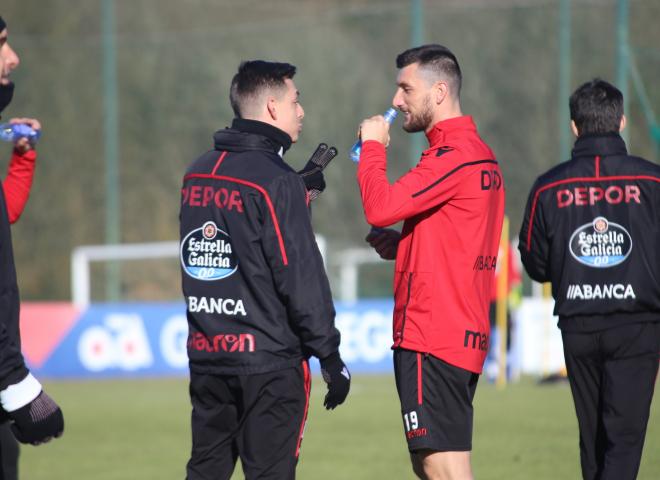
[354, 153]
[11, 132]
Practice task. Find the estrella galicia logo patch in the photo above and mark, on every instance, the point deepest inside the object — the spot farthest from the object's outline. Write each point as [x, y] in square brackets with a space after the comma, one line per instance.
[207, 253]
[600, 244]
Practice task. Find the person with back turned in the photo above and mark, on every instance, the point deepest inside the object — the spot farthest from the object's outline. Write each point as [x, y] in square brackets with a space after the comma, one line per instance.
[592, 229]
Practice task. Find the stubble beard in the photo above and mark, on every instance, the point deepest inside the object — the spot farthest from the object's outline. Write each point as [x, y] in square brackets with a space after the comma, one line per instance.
[421, 121]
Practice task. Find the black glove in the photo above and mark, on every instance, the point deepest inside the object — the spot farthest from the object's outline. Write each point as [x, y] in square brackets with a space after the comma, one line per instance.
[38, 421]
[338, 378]
[312, 173]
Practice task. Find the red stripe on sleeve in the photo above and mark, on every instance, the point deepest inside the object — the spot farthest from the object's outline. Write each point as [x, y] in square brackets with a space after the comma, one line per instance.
[308, 388]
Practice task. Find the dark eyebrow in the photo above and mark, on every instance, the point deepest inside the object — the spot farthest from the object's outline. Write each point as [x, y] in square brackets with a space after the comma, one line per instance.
[403, 84]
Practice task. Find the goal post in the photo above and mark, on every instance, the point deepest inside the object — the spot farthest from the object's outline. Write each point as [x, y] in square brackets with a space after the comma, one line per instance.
[83, 256]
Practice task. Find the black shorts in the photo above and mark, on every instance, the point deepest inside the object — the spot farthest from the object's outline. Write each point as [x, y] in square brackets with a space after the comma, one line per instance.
[259, 418]
[436, 402]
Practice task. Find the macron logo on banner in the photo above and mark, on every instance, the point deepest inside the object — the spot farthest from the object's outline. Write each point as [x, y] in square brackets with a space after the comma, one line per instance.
[43, 327]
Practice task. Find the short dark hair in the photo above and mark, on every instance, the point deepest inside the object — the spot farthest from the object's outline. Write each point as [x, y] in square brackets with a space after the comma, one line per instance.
[252, 78]
[436, 58]
[596, 107]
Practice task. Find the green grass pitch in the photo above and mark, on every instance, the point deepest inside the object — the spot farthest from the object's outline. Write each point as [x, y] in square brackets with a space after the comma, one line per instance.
[138, 429]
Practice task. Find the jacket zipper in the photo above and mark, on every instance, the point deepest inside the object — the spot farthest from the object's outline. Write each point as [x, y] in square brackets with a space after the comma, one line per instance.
[405, 308]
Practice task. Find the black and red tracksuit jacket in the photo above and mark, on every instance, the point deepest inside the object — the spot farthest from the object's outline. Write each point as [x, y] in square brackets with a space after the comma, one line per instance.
[258, 298]
[452, 205]
[14, 193]
[592, 228]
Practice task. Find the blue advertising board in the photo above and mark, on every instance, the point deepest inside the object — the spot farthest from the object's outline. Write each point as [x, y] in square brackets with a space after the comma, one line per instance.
[149, 339]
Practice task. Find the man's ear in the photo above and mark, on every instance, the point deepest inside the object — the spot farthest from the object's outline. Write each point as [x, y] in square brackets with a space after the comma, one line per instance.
[440, 91]
[623, 123]
[271, 106]
[574, 129]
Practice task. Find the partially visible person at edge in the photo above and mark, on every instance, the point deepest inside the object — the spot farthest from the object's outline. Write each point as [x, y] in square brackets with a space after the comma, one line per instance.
[30, 413]
[513, 297]
[452, 206]
[592, 229]
[259, 301]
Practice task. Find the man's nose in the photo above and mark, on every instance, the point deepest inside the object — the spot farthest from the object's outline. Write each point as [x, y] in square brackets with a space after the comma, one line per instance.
[10, 57]
[397, 101]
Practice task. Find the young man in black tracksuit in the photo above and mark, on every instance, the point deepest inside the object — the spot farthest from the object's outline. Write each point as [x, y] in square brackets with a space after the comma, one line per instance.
[592, 228]
[258, 299]
[32, 415]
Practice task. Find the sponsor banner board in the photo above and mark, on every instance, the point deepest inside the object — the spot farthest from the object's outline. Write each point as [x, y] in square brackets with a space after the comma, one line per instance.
[149, 339]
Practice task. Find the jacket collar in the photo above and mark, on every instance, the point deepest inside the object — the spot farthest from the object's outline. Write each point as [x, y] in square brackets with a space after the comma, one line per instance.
[602, 144]
[446, 129]
[250, 134]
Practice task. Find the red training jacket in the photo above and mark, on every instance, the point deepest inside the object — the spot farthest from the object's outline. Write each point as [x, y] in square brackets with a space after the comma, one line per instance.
[452, 204]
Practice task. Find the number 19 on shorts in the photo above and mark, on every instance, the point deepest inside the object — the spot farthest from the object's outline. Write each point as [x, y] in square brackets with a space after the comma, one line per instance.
[410, 420]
